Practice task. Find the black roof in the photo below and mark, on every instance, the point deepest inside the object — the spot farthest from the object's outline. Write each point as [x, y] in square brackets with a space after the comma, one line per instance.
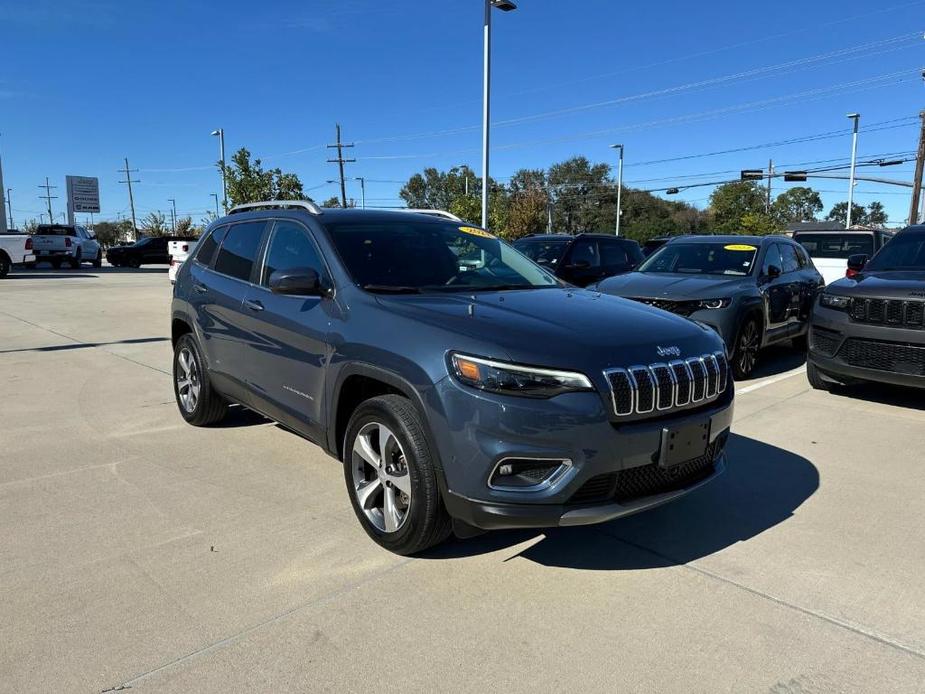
[570, 237]
[729, 238]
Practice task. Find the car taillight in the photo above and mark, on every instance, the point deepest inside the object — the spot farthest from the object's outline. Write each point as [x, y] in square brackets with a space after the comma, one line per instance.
[29, 244]
[67, 241]
[851, 273]
[185, 247]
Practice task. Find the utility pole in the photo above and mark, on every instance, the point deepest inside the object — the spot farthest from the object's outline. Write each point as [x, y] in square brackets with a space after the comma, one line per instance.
[917, 181]
[619, 187]
[48, 197]
[173, 215]
[856, 117]
[362, 190]
[131, 200]
[767, 205]
[340, 163]
[3, 228]
[9, 203]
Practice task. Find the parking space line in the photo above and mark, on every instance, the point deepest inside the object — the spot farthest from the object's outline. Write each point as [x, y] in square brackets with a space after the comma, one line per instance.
[771, 380]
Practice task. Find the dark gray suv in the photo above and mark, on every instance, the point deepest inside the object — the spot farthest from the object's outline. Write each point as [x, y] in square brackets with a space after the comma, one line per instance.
[463, 386]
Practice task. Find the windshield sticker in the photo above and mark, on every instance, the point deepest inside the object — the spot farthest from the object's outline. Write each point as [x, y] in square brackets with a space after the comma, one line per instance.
[739, 247]
[476, 232]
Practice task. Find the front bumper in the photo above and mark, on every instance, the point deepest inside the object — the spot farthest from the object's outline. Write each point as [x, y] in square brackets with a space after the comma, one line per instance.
[478, 430]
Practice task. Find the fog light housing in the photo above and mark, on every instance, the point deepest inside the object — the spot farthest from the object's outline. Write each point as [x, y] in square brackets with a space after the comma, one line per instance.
[529, 474]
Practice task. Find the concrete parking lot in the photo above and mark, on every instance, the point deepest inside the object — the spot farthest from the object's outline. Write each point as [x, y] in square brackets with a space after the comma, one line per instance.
[139, 552]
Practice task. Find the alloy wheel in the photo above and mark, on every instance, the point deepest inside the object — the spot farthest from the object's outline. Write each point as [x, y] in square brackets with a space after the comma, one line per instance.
[188, 383]
[747, 352]
[381, 480]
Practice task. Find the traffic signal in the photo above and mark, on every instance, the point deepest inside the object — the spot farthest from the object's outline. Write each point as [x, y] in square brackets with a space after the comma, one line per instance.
[794, 175]
[752, 174]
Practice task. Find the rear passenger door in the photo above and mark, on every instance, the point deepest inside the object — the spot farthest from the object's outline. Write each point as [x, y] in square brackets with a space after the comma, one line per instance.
[287, 349]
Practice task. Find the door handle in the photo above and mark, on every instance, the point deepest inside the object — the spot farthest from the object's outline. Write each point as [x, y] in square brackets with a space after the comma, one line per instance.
[253, 304]
[200, 288]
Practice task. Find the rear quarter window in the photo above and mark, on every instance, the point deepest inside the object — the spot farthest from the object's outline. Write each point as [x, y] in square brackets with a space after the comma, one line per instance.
[206, 251]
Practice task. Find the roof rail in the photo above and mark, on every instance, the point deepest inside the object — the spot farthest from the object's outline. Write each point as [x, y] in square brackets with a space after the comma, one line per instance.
[433, 213]
[311, 207]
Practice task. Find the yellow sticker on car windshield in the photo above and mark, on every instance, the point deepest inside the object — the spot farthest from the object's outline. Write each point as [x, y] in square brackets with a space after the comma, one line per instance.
[476, 232]
[739, 247]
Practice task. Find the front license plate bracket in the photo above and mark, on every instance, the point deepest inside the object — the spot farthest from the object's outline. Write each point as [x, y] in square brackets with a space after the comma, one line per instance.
[680, 444]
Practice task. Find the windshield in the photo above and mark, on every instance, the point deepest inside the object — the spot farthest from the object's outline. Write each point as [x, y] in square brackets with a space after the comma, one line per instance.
[904, 252]
[835, 245]
[542, 252]
[399, 256]
[721, 258]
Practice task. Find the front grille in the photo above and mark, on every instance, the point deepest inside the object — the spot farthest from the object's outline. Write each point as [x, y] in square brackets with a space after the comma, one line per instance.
[666, 387]
[890, 312]
[884, 356]
[681, 308]
[824, 341]
[646, 480]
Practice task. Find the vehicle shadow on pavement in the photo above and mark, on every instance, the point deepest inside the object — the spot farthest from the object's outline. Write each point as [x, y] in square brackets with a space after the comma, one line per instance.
[49, 275]
[777, 359]
[763, 485]
[883, 394]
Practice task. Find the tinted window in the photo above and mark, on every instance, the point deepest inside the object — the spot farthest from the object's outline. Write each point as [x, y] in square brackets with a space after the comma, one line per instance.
[836, 245]
[802, 256]
[585, 253]
[789, 256]
[543, 252]
[207, 248]
[619, 254]
[721, 258]
[291, 248]
[239, 250]
[905, 252]
[55, 230]
[772, 257]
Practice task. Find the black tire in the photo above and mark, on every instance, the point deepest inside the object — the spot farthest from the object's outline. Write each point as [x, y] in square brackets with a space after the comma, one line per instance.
[56, 263]
[99, 259]
[746, 349]
[4, 265]
[77, 260]
[209, 407]
[425, 522]
[801, 343]
[134, 263]
[815, 378]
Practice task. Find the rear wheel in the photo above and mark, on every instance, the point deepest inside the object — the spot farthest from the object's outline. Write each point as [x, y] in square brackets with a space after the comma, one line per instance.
[391, 477]
[4, 265]
[815, 378]
[56, 263]
[77, 259]
[199, 404]
[747, 346]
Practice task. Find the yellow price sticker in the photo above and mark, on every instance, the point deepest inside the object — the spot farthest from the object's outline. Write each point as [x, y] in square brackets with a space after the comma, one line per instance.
[475, 231]
[740, 247]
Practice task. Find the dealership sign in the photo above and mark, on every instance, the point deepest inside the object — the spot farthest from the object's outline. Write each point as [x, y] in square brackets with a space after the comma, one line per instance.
[83, 194]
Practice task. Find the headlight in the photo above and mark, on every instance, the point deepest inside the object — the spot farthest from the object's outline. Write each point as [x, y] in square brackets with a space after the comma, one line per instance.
[515, 379]
[715, 303]
[839, 303]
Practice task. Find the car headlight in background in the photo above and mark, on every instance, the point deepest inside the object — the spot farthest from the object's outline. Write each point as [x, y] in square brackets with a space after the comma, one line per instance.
[839, 303]
[515, 379]
[714, 303]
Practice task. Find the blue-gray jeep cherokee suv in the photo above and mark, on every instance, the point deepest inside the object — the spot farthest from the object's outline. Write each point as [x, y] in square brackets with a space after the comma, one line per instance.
[462, 385]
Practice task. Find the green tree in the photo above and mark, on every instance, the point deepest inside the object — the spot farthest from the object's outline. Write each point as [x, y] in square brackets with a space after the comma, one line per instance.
[438, 190]
[154, 224]
[730, 202]
[248, 182]
[798, 204]
[112, 233]
[185, 227]
[839, 214]
[758, 224]
[876, 216]
[332, 201]
[583, 197]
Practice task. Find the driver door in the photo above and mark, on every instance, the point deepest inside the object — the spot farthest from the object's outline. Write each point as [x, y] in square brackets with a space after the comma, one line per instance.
[774, 288]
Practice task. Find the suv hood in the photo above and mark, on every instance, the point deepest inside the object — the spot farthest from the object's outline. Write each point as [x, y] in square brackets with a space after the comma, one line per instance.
[657, 285]
[564, 328]
[882, 285]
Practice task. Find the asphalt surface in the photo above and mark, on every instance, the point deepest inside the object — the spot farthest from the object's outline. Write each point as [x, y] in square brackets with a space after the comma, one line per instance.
[139, 552]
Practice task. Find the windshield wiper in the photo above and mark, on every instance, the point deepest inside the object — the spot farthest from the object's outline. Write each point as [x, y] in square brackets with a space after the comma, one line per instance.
[391, 289]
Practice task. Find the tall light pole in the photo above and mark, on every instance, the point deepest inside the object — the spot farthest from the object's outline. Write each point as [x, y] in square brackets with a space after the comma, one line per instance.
[854, 158]
[215, 196]
[465, 171]
[362, 190]
[220, 133]
[504, 6]
[173, 217]
[9, 203]
[619, 186]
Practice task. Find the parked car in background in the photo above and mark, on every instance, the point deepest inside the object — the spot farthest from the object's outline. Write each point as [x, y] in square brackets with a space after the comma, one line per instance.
[830, 250]
[15, 249]
[151, 250]
[871, 327]
[71, 243]
[178, 251]
[581, 259]
[652, 245]
[753, 290]
[458, 396]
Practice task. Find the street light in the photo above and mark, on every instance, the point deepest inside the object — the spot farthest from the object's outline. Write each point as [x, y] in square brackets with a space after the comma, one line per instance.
[220, 133]
[619, 186]
[362, 190]
[465, 170]
[504, 6]
[854, 156]
[173, 218]
[215, 195]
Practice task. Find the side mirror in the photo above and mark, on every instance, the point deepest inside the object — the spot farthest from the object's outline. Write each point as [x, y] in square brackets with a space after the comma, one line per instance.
[297, 281]
[773, 272]
[856, 264]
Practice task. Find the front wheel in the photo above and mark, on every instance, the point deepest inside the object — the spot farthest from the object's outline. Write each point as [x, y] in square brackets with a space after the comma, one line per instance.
[199, 404]
[747, 346]
[391, 476]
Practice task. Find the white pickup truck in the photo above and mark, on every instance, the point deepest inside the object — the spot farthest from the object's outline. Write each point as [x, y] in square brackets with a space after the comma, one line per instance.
[15, 249]
[57, 243]
[179, 251]
[830, 249]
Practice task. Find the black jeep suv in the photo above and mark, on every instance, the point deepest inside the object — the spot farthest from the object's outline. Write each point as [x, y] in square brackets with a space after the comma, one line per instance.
[871, 326]
[581, 259]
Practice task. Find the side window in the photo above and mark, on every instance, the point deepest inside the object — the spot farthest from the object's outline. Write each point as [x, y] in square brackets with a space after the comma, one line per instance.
[789, 255]
[238, 251]
[584, 252]
[802, 256]
[772, 257]
[290, 247]
[614, 255]
[206, 251]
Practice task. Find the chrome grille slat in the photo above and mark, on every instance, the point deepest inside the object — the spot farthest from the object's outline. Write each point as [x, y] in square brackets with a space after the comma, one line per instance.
[660, 387]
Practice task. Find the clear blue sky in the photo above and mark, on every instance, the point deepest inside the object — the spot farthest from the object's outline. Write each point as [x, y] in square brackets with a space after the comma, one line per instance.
[84, 84]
